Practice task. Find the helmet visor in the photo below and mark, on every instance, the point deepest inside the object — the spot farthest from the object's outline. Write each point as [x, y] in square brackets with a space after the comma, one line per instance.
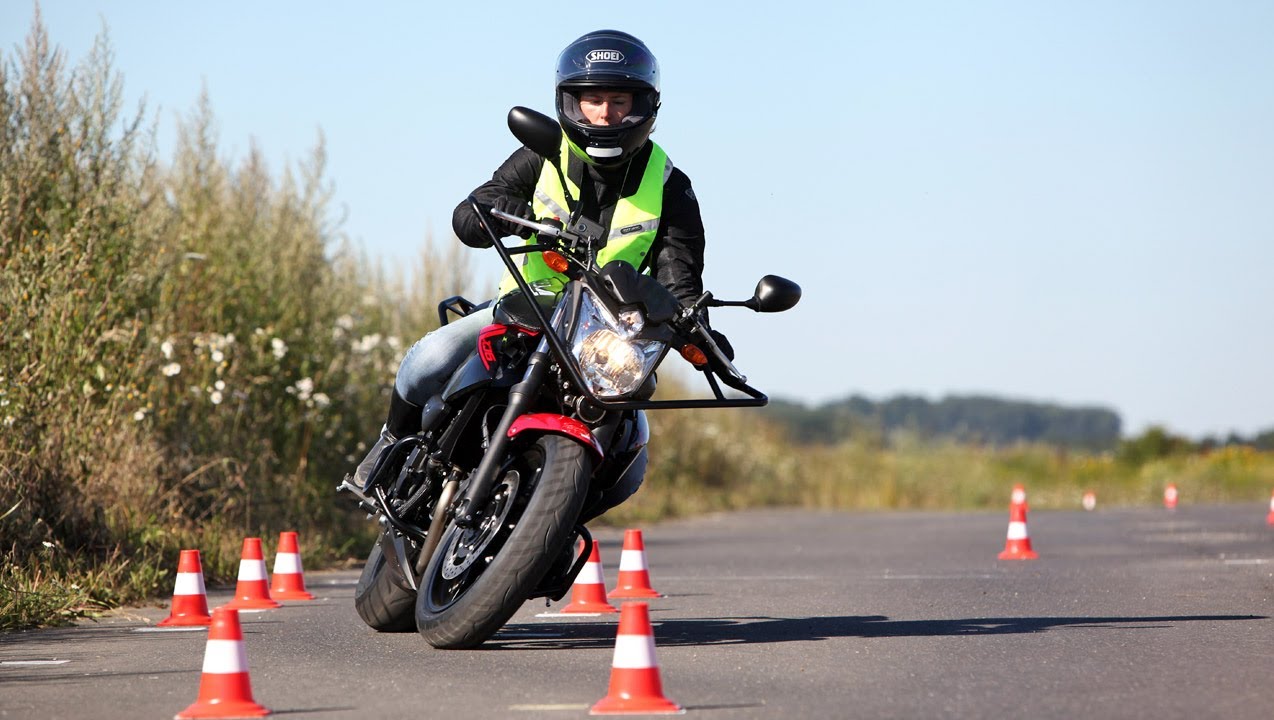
[569, 103]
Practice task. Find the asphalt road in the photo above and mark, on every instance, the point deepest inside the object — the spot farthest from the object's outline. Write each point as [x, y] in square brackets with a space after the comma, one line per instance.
[1127, 614]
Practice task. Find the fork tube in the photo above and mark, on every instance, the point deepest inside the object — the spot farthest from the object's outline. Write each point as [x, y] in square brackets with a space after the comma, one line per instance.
[520, 397]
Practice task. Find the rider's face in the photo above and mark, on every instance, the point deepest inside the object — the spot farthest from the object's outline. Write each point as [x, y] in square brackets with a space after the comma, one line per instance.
[605, 107]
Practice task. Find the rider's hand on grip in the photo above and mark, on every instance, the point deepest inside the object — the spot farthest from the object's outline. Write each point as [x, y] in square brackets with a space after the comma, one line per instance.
[519, 208]
[722, 343]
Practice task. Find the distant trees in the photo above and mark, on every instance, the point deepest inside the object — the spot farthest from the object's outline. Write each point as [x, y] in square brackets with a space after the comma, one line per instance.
[975, 419]
[984, 420]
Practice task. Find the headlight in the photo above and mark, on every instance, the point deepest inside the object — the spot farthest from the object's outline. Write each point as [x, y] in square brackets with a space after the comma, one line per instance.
[613, 363]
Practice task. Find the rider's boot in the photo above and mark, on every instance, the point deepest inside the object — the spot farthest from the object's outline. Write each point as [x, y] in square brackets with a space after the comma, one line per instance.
[404, 420]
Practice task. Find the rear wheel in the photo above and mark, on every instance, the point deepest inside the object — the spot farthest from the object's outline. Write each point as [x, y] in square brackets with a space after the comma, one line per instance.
[382, 597]
[478, 577]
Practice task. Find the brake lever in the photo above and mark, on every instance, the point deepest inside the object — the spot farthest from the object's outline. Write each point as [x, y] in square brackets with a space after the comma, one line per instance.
[538, 227]
[722, 363]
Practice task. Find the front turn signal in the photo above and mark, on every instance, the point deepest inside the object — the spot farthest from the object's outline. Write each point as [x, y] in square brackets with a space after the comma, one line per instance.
[555, 261]
[694, 355]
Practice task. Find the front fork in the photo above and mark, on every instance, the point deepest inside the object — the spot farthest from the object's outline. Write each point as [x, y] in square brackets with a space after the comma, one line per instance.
[520, 399]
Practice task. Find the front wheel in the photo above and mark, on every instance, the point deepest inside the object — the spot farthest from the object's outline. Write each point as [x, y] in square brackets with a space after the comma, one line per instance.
[479, 577]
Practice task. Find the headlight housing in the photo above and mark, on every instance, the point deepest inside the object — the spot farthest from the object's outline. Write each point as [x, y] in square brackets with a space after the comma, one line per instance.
[611, 359]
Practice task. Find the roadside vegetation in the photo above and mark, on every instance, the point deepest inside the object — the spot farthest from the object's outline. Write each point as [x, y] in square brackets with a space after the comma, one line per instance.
[192, 352]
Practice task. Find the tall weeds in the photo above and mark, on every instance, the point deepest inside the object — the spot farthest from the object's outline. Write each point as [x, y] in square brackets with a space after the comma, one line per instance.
[189, 351]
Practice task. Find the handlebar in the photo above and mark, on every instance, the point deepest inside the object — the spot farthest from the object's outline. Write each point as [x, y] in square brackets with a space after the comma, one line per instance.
[718, 364]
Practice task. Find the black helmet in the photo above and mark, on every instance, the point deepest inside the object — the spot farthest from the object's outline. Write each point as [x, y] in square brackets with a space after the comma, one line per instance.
[612, 60]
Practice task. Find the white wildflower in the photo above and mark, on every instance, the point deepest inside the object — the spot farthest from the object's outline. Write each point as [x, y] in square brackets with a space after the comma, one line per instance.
[366, 344]
[217, 356]
[394, 343]
[47, 544]
[215, 397]
[321, 400]
[140, 415]
[220, 385]
[303, 388]
[278, 348]
[167, 349]
[170, 369]
[9, 420]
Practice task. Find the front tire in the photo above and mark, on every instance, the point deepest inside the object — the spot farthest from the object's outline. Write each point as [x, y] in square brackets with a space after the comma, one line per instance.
[464, 600]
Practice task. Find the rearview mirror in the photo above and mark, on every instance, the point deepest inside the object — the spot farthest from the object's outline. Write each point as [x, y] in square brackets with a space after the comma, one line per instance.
[774, 294]
[538, 132]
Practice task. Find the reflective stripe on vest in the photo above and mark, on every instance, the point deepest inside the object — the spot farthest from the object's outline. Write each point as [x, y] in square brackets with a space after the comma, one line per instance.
[632, 226]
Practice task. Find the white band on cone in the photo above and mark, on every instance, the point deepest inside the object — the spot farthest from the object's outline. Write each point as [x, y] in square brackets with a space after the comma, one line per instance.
[630, 560]
[634, 652]
[1017, 531]
[225, 656]
[252, 570]
[189, 584]
[287, 564]
[590, 575]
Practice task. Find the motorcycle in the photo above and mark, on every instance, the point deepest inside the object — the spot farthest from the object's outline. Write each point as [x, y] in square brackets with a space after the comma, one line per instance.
[479, 511]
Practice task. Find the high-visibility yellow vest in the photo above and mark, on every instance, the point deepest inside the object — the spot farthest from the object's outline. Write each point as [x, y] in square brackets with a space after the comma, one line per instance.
[632, 226]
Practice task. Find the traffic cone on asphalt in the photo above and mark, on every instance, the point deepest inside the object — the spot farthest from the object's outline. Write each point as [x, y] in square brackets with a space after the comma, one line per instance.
[289, 578]
[588, 594]
[224, 688]
[634, 577]
[253, 590]
[1170, 496]
[1089, 501]
[1269, 519]
[635, 688]
[1018, 544]
[190, 599]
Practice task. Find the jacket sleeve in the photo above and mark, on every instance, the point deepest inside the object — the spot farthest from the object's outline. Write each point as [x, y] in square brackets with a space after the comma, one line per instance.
[677, 253]
[515, 178]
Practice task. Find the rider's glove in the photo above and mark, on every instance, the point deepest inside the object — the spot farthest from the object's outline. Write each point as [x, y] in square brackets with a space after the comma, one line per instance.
[513, 206]
[722, 343]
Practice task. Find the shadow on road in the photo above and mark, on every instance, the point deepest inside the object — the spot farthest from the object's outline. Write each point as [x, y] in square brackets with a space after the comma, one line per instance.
[743, 630]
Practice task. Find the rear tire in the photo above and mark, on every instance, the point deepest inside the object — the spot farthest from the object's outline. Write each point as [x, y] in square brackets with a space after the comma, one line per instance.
[467, 609]
[383, 598]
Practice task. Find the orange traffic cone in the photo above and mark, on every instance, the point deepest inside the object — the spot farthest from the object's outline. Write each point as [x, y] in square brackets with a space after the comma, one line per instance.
[588, 594]
[1269, 519]
[190, 599]
[634, 577]
[1018, 544]
[1089, 501]
[1170, 496]
[224, 688]
[289, 578]
[253, 590]
[635, 688]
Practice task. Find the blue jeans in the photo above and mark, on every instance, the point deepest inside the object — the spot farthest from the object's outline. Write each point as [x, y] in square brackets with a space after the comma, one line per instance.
[428, 364]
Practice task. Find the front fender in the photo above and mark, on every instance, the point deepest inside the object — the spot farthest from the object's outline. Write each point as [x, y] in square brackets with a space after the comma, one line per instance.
[557, 425]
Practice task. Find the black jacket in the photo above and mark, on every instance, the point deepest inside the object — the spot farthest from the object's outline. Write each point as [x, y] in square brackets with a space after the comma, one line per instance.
[675, 258]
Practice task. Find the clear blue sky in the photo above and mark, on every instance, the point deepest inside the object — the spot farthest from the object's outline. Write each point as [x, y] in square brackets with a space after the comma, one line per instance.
[1067, 202]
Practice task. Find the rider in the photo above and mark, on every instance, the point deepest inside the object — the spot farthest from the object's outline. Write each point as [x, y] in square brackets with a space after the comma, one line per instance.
[607, 101]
